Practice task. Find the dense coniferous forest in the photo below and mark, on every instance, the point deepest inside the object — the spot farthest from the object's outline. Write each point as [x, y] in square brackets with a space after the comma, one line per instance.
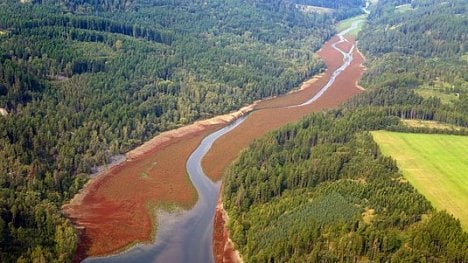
[83, 81]
[321, 191]
[421, 50]
[420, 45]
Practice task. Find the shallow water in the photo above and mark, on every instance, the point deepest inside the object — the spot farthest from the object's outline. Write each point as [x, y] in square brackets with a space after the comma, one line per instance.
[183, 236]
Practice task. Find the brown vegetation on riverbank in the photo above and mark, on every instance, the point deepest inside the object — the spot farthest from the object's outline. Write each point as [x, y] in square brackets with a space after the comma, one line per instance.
[115, 209]
[271, 114]
[223, 248]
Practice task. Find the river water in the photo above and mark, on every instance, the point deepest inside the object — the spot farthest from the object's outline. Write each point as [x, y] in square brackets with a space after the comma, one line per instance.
[187, 236]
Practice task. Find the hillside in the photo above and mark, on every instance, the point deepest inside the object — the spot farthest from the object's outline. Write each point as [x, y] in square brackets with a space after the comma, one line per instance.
[342, 9]
[321, 190]
[423, 47]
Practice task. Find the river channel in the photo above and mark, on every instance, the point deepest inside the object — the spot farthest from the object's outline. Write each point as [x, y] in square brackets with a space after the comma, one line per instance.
[187, 236]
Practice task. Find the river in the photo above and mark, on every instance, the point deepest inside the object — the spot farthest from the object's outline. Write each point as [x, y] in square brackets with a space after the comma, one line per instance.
[186, 236]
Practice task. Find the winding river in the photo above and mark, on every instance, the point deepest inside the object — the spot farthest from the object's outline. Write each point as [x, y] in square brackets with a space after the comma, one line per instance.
[186, 236]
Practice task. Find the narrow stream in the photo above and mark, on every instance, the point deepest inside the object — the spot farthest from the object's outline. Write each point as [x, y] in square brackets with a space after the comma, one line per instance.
[186, 236]
[347, 58]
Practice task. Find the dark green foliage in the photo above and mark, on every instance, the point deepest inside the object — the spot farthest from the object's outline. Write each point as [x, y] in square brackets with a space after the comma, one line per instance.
[424, 47]
[286, 233]
[298, 190]
[33, 228]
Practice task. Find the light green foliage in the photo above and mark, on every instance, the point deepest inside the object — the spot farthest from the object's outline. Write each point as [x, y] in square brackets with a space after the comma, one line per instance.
[342, 25]
[341, 9]
[445, 97]
[437, 165]
[65, 241]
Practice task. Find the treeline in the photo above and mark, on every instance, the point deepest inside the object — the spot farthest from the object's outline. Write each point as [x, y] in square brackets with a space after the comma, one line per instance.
[88, 6]
[83, 85]
[9, 19]
[333, 4]
[93, 23]
[321, 191]
[403, 102]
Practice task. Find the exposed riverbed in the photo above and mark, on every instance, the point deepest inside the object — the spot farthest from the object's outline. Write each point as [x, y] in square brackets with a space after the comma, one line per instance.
[186, 236]
[113, 210]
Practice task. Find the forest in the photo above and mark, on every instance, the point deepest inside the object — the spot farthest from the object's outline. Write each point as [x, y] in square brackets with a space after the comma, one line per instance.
[83, 81]
[422, 48]
[321, 191]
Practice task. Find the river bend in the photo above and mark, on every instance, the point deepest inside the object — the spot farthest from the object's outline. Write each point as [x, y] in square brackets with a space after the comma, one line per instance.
[187, 236]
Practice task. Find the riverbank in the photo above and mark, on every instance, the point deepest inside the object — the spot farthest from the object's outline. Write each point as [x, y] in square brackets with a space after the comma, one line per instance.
[273, 114]
[126, 194]
[115, 209]
[223, 248]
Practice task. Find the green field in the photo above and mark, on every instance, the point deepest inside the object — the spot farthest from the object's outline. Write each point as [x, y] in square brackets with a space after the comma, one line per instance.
[348, 22]
[443, 96]
[436, 165]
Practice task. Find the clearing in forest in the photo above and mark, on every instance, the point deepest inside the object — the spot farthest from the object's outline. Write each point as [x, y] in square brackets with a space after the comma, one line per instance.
[314, 9]
[435, 164]
[347, 23]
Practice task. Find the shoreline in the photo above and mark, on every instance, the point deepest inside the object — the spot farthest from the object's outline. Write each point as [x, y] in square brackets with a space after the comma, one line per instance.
[223, 248]
[160, 142]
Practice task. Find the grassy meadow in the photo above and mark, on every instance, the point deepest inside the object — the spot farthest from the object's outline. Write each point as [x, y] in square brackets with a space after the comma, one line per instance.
[344, 24]
[435, 164]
